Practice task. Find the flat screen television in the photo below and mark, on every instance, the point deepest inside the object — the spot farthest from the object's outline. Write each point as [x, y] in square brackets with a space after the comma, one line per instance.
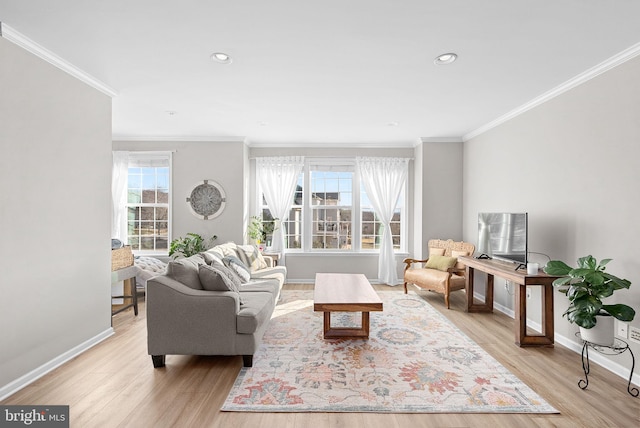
[503, 236]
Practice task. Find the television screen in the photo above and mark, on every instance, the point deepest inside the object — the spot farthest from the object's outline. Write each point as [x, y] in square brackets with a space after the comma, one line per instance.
[503, 236]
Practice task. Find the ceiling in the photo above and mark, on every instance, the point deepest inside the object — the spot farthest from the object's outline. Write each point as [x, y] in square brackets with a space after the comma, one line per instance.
[331, 72]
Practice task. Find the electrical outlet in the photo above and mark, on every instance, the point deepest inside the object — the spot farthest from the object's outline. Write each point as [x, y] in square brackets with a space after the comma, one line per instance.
[622, 329]
[634, 334]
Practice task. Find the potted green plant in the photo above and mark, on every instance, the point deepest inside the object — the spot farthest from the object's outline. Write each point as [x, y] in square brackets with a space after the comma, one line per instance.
[189, 245]
[255, 229]
[259, 230]
[586, 286]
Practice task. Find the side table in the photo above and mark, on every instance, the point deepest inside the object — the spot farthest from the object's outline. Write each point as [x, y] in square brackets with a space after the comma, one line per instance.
[128, 275]
[619, 347]
[275, 257]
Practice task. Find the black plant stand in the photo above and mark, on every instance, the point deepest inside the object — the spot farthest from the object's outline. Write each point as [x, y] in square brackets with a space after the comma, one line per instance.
[619, 347]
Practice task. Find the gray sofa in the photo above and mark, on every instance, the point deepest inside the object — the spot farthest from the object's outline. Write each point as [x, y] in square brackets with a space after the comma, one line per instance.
[215, 303]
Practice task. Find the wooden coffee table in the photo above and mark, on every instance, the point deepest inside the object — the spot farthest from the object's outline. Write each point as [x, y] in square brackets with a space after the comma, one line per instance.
[345, 292]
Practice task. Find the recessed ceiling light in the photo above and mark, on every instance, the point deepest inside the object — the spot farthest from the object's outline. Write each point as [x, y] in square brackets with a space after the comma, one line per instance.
[393, 124]
[447, 58]
[221, 57]
[171, 112]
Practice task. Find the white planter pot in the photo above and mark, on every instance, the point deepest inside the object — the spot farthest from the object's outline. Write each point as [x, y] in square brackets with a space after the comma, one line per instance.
[601, 333]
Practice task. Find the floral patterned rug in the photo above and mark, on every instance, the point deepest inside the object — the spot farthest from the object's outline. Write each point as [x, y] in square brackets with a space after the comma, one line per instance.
[415, 361]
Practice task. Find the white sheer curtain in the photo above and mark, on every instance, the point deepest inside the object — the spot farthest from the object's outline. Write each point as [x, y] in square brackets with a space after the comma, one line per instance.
[119, 173]
[278, 177]
[383, 179]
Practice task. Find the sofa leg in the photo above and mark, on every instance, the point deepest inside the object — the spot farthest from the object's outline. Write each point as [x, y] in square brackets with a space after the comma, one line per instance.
[158, 360]
[247, 360]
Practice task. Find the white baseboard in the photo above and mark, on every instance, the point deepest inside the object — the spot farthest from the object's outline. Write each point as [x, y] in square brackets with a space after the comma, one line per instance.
[576, 347]
[13, 387]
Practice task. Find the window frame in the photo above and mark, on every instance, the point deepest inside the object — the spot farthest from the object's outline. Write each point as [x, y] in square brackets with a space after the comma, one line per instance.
[135, 160]
[306, 246]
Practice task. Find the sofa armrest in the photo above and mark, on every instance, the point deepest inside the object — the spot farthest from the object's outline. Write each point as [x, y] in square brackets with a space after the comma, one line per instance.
[182, 320]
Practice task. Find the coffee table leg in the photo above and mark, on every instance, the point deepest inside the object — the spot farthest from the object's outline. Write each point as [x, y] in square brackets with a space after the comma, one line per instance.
[346, 332]
[327, 323]
[365, 324]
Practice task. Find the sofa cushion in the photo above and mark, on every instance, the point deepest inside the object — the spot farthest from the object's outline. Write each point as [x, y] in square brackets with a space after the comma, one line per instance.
[217, 278]
[236, 265]
[278, 272]
[251, 257]
[255, 311]
[211, 257]
[268, 285]
[185, 270]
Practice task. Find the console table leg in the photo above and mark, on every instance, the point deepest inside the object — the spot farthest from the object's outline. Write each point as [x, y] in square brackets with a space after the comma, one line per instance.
[585, 366]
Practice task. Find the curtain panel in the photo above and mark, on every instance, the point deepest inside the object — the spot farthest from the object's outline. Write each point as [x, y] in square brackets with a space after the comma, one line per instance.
[383, 179]
[119, 176]
[278, 177]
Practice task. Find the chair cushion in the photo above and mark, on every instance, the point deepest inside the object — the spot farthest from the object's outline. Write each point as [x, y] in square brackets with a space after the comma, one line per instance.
[436, 251]
[426, 277]
[441, 263]
[456, 254]
[433, 279]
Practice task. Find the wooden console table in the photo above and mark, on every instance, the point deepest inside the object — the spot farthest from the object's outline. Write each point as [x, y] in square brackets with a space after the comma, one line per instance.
[521, 279]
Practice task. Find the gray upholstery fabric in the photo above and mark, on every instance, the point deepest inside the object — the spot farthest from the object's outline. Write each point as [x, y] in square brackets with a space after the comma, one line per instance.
[257, 310]
[228, 275]
[213, 280]
[267, 285]
[186, 321]
[186, 271]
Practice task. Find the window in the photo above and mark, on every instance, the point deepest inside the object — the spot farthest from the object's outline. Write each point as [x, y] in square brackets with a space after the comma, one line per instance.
[292, 225]
[372, 228]
[148, 196]
[331, 207]
[331, 211]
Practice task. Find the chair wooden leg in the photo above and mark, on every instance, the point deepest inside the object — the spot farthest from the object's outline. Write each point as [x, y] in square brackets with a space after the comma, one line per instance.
[405, 288]
[446, 299]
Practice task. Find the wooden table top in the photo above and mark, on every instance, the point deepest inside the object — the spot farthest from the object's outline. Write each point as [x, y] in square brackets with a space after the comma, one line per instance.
[344, 291]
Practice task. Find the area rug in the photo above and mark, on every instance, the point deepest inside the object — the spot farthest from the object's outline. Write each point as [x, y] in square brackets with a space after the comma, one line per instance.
[415, 361]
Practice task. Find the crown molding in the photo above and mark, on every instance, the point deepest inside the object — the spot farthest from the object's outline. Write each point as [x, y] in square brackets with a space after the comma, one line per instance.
[441, 140]
[29, 45]
[581, 78]
[181, 138]
[333, 145]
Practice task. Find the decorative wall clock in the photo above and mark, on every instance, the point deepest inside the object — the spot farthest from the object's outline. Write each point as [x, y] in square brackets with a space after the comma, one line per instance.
[207, 200]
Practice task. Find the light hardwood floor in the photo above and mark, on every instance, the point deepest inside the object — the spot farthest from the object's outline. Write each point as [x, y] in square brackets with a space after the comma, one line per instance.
[115, 385]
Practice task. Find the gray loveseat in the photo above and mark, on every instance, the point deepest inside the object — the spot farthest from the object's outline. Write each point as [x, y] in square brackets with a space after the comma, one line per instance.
[215, 303]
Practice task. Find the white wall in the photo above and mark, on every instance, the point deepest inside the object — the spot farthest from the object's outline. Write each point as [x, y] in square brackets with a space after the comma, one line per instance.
[573, 163]
[55, 184]
[194, 162]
